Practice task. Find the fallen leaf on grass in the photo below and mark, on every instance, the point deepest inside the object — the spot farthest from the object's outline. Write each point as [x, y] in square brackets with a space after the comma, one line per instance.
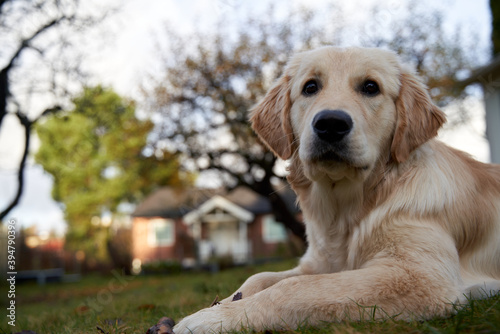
[146, 307]
[82, 309]
[164, 326]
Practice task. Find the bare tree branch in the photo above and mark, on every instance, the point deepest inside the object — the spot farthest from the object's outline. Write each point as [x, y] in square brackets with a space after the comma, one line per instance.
[26, 123]
[23, 119]
[2, 2]
[52, 14]
[4, 73]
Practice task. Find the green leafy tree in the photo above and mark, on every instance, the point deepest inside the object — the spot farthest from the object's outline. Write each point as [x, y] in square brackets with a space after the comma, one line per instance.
[97, 156]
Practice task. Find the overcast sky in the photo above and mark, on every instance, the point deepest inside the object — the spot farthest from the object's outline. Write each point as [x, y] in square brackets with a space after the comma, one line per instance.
[122, 65]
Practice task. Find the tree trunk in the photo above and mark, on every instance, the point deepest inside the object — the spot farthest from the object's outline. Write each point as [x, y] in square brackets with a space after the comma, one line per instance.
[280, 209]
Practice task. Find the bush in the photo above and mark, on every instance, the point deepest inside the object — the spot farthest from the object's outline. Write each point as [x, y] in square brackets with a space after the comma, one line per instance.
[162, 267]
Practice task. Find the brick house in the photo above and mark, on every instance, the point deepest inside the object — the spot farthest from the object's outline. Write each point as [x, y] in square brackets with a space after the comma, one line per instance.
[192, 225]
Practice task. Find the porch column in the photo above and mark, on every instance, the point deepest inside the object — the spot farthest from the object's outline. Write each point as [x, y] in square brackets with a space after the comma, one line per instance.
[492, 105]
[196, 230]
[243, 232]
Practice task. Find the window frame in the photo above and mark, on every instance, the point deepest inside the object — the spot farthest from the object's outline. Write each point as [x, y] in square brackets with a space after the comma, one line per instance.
[267, 235]
[153, 225]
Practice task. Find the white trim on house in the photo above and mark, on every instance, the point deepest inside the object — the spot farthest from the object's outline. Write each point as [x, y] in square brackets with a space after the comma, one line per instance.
[218, 212]
[218, 202]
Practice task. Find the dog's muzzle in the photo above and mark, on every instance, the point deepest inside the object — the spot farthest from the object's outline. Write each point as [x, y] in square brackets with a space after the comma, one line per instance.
[332, 125]
[331, 129]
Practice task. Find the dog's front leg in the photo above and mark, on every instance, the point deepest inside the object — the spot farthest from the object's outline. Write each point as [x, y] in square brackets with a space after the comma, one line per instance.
[374, 292]
[262, 281]
[234, 313]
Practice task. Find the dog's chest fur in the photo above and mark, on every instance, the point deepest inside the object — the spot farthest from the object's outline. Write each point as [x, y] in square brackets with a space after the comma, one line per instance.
[334, 225]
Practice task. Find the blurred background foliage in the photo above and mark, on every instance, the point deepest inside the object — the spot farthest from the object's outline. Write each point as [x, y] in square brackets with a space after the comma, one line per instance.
[97, 155]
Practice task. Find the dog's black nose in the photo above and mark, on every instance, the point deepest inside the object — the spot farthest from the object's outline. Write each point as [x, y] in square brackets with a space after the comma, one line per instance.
[332, 125]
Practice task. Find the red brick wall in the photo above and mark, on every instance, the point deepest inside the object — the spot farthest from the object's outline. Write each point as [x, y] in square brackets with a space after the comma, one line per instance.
[182, 247]
[260, 248]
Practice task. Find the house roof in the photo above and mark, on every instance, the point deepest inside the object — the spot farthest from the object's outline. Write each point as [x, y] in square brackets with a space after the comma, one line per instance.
[249, 200]
[173, 203]
[258, 204]
[170, 202]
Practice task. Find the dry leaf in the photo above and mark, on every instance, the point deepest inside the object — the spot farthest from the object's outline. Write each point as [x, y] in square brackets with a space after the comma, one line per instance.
[164, 326]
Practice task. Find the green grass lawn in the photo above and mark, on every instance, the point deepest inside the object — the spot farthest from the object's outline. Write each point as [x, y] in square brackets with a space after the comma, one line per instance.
[116, 304]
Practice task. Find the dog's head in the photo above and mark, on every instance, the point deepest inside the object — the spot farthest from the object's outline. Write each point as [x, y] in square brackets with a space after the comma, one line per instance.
[342, 110]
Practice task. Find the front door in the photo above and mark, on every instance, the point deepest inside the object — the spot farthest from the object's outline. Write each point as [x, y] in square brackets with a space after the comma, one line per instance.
[223, 237]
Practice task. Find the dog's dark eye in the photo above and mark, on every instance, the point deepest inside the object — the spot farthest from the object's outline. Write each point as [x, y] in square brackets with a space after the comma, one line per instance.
[310, 88]
[370, 88]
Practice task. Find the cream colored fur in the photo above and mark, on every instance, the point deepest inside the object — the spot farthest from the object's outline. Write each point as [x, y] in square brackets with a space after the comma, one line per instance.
[405, 226]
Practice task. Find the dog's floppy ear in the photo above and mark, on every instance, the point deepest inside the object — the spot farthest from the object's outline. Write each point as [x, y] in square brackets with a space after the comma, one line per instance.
[271, 119]
[417, 120]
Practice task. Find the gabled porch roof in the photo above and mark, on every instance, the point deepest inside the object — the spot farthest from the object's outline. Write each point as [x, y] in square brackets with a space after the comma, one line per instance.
[218, 202]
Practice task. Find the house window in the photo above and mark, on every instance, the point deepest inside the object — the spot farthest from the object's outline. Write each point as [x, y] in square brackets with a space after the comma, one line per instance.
[273, 231]
[161, 232]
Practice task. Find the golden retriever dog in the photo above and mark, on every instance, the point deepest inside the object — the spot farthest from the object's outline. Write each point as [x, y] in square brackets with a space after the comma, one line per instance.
[398, 224]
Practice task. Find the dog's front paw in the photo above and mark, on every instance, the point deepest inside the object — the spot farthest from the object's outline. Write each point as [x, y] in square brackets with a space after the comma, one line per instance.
[253, 313]
[208, 320]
